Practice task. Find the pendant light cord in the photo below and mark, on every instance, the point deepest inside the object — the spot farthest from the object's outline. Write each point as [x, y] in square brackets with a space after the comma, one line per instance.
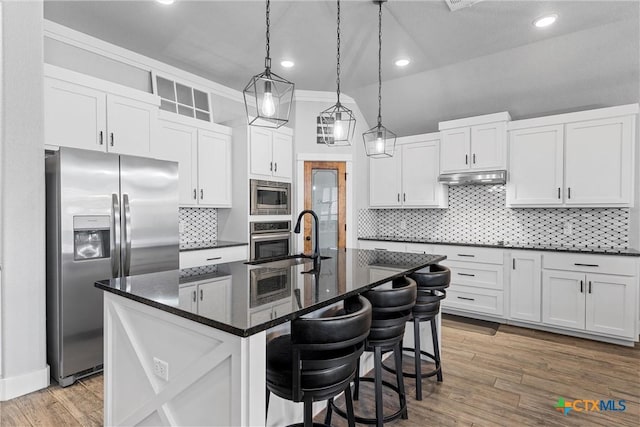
[267, 59]
[380, 64]
[338, 57]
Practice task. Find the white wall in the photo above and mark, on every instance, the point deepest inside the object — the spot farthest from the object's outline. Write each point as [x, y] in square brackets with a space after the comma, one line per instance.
[22, 195]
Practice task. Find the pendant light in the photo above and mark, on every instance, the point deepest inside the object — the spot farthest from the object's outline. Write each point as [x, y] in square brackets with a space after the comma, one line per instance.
[267, 96]
[379, 141]
[338, 122]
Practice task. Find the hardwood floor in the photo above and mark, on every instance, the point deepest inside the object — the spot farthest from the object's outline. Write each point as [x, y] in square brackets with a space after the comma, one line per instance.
[512, 378]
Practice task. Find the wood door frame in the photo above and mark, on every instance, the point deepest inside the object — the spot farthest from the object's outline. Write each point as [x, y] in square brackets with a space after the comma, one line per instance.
[341, 167]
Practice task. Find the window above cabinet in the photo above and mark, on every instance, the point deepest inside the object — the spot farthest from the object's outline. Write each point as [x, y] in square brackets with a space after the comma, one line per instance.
[181, 99]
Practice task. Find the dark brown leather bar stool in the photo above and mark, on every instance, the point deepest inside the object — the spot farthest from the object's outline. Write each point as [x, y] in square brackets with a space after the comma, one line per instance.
[319, 359]
[431, 290]
[392, 305]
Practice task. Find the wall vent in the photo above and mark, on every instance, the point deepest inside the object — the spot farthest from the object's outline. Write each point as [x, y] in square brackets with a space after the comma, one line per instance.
[460, 4]
[182, 99]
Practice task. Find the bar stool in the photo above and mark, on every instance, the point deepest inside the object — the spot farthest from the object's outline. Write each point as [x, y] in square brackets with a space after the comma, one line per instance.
[391, 310]
[431, 290]
[319, 358]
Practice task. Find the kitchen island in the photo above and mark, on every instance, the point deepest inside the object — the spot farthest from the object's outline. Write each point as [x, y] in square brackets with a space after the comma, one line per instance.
[198, 357]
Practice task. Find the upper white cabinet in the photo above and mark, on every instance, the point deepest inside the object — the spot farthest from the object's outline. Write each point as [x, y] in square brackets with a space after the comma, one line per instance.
[204, 161]
[95, 115]
[573, 160]
[474, 144]
[410, 178]
[271, 153]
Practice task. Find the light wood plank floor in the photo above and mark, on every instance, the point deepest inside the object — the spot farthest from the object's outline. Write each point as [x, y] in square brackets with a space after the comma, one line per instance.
[513, 378]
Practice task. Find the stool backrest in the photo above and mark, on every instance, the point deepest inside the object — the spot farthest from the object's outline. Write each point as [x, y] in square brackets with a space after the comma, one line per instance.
[391, 310]
[438, 278]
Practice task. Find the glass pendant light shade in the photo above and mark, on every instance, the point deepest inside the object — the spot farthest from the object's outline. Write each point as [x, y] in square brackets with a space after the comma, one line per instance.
[338, 122]
[338, 125]
[267, 96]
[267, 99]
[379, 142]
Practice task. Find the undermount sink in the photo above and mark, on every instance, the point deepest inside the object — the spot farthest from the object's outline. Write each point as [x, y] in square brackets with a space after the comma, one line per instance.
[286, 260]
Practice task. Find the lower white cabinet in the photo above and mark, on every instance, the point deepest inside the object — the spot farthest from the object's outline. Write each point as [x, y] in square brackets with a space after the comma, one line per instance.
[525, 291]
[202, 257]
[564, 298]
[270, 311]
[210, 298]
[382, 246]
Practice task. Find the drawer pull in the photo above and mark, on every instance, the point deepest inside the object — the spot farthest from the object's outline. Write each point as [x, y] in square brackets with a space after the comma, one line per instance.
[467, 274]
[467, 299]
[585, 265]
[214, 258]
[467, 255]
[380, 249]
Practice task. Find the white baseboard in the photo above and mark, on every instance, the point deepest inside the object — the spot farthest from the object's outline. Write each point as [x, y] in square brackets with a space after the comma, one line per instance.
[23, 384]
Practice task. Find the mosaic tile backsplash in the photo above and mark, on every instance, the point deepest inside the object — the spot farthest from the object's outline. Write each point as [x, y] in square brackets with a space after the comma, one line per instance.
[200, 225]
[478, 214]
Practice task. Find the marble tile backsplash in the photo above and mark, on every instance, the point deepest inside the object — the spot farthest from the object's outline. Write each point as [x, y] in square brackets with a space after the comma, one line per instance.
[199, 225]
[478, 214]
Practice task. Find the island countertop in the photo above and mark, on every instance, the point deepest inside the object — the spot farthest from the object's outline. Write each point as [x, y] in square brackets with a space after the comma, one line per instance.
[250, 291]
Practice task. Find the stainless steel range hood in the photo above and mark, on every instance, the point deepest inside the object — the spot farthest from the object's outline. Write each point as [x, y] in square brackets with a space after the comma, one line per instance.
[474, 178]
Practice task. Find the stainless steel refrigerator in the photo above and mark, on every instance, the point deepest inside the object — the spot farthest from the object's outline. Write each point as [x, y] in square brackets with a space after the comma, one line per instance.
[107, 216]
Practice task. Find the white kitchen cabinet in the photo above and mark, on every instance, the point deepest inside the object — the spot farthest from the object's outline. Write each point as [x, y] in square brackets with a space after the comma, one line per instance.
[83, 117]
[271, 153]
[410, 178]
[599, 161]
[525, 286]
[593, 293]
[474, 144]
[582, 159]
[379, 245]
[270, 311]
[213, 256]
[209, 298]
[204, 162]
[536, 166]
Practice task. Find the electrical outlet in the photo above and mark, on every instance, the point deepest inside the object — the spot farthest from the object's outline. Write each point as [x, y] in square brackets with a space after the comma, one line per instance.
[181, 227]
[161, 368]
[403, 224]
[567, 229]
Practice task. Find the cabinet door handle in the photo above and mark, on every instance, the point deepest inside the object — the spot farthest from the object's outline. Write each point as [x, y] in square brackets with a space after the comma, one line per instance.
[404, 197]
[467, 299]
[275, 167]
[466, 274]
[101, 138]
[466, 159]
[589, 286]
[569, 192]
[474, 158]
[513, 261]
[201, 295]
[195, 194]
[585, 265]
[111, 138]
[271, 166]
[398, 196]
[201, 194]
[194, 296]
[380, 249]
[470, 256]
[558, 193]
[214, 258]
[581, 286]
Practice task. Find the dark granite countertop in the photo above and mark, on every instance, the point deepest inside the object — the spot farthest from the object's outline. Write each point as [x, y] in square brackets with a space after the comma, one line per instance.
[184, 247]
[255, 289]
[502, 245]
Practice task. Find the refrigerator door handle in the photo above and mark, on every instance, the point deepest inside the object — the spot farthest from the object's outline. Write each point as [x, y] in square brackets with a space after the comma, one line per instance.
[115, 236]
[127, 235]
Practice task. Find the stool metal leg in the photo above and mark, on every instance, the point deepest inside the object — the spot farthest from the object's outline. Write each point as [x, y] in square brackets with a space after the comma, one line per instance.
[436, 348]
[417, 357]
[308, 413]
[356, 382]
[350, 414]
[397, 354]
[378, 385]
[329, 410]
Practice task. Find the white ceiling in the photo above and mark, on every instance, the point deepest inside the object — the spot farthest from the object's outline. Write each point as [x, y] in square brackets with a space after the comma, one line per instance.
[477, 60]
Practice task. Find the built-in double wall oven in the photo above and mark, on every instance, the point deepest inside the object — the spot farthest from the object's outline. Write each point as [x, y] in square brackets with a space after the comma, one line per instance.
[269, 239]
[270, 198]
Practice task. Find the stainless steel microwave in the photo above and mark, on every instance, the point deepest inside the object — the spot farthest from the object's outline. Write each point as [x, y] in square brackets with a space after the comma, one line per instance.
[270, 198]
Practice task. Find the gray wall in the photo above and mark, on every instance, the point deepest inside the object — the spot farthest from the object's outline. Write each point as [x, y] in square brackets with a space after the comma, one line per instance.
[22, 193]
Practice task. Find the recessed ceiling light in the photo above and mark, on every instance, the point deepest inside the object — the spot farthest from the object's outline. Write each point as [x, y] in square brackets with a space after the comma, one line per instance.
[166, 1]
[545, 21]
[402, 62]
[287, 64]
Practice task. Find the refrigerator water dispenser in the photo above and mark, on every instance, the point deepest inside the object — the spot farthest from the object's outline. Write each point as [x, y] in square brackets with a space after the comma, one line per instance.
[91, 237]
